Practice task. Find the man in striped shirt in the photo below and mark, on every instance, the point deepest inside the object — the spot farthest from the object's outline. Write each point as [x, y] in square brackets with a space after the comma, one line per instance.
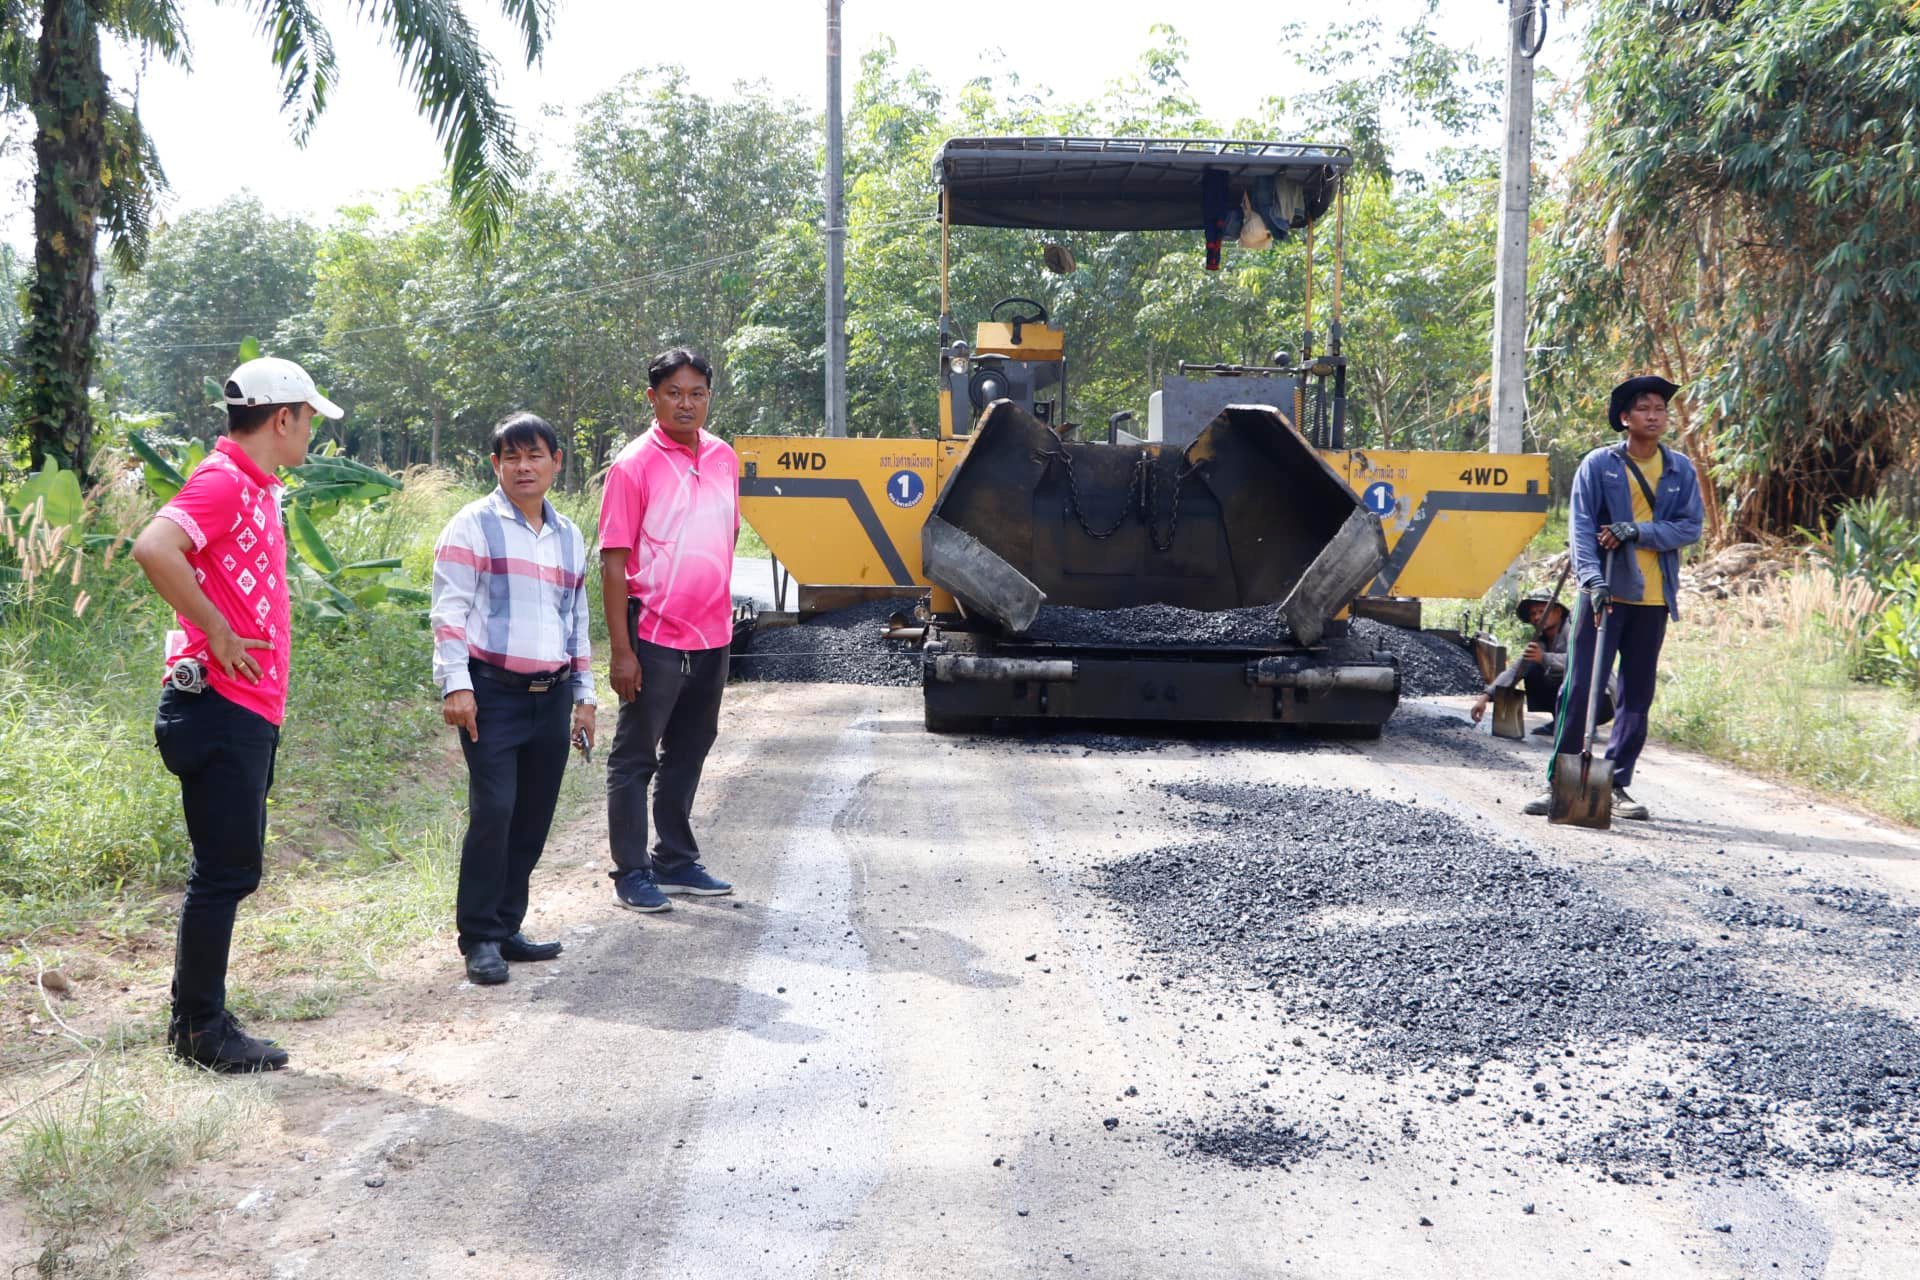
[514, 664]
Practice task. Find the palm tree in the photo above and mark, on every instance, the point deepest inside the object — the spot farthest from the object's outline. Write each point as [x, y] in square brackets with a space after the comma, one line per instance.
[95, 165]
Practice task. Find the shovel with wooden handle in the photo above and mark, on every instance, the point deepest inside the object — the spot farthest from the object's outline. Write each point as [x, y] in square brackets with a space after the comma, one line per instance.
[1582, 785]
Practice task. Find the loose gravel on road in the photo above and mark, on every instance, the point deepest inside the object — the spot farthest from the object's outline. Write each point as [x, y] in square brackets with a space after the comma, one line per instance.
[1449, 952]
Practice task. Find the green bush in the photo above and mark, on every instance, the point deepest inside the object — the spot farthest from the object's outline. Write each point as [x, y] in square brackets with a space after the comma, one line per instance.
[1755, 683]
[1869, 539]
[1872, 542]
[1893, 634]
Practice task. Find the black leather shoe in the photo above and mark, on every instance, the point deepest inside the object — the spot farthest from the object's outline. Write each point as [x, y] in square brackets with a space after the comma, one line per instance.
[520, 949]
[225, 1048]
[485, 968]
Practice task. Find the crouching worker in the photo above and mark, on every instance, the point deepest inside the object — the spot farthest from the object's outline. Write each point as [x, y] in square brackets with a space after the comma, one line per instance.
[216, 553]
[1541, 668]
[514, 664]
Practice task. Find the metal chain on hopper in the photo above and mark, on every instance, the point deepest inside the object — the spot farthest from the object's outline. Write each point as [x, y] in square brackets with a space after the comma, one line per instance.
[1144, 483]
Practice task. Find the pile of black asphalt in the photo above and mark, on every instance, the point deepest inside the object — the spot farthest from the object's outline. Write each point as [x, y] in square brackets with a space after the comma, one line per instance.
[1430, 665]
[1447, 951]
[841, 647]
[1158, 625]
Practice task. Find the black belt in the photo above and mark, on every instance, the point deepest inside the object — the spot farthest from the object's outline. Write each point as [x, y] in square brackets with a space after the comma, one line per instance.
[535, 682]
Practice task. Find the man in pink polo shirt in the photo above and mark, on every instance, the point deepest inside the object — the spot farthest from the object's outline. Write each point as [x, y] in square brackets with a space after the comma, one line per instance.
[668, 521]
[217, 554]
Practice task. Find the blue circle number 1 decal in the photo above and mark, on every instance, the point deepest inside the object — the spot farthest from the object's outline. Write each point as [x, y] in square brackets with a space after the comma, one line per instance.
[906, 488]
[1378, 498]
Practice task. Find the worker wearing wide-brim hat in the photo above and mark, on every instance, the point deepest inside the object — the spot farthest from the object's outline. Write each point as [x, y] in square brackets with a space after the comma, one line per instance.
[1541, 669]
[1635, 504]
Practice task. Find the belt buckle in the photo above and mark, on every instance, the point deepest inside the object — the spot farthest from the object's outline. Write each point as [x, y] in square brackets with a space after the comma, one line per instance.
[542, 684]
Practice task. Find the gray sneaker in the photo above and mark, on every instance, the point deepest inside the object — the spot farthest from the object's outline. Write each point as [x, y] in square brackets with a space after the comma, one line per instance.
[1625, 806]
[1540, 806]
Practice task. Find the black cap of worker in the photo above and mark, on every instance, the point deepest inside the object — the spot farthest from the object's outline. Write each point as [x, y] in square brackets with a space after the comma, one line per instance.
[1631, 390]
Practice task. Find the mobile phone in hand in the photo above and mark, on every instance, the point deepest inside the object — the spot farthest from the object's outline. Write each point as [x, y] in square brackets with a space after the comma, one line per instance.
[581, 745]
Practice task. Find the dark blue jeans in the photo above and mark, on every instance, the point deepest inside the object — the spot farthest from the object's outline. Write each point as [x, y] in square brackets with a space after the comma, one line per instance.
[223, 755]
[1634, 635]
[513, 782]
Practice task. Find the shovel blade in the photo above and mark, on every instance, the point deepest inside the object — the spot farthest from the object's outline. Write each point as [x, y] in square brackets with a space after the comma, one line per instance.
[1509, 713]
[1582, 792]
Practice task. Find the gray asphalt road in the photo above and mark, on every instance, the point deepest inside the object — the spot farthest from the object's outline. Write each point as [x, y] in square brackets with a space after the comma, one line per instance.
[921, 1041]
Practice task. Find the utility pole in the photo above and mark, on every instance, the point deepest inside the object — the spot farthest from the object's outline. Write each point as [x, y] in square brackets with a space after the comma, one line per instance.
[836, 239]
[1526, 32]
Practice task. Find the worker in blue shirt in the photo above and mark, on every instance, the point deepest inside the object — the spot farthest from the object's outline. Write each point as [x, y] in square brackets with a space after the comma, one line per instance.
[1635, 504]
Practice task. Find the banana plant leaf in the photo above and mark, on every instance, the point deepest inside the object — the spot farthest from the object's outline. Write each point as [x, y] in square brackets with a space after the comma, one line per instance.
[362, 567]
[306, 539]
[155, 460]
[59, 493]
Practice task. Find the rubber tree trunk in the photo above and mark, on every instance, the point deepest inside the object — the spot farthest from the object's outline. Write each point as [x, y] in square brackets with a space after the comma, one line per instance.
[69, 97]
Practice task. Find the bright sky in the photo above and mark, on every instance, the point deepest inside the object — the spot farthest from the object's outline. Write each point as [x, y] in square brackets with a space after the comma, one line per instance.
[218, 128]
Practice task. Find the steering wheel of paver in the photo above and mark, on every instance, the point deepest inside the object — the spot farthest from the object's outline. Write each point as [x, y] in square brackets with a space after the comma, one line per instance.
[1039, 315]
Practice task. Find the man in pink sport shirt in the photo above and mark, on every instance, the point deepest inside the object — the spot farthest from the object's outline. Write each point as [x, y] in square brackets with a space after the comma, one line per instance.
[216, 553]
[668, 521]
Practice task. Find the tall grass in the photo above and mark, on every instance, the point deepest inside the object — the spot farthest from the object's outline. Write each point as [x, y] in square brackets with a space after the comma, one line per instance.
[85, 805]
[88, 815]
[1764, 681]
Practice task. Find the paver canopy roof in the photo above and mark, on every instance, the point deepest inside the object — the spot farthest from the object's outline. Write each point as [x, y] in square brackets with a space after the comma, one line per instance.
[1120, 184]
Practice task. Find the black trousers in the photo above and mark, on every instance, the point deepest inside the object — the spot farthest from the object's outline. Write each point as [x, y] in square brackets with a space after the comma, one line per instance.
[514, 774]
[663, 739]
[223, 755]
[1635, 634]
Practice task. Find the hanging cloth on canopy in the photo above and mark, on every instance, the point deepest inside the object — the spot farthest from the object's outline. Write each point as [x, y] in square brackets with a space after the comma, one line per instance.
[1216, 206]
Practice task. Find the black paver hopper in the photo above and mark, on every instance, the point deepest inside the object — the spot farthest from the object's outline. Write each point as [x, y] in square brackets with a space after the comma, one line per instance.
[1247, 514]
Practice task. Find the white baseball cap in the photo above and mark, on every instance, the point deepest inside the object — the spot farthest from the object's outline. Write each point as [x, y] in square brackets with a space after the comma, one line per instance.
[271, 380]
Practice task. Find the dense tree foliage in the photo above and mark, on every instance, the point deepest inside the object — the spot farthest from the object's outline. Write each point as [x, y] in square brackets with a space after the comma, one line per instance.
[679, 218]
[96, 170]
[1746, 218]
[210, 275]
[1734, 219]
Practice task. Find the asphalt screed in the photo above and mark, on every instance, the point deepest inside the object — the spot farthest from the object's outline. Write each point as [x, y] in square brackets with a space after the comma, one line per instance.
[1445, 956]
[1429, 664]
[845, 645]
